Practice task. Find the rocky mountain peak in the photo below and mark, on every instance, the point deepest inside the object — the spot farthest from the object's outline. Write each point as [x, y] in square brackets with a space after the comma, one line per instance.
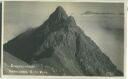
[72, 20]
[60, 9]
[58, 14]
[58, 44]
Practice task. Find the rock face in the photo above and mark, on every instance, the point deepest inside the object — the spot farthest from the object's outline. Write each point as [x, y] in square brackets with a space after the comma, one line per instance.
[62, 46]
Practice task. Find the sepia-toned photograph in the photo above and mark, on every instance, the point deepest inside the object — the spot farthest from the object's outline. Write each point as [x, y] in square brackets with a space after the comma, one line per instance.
[63, 38]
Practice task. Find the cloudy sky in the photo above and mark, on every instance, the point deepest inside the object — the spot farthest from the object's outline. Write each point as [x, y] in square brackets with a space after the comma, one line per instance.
[103, 22]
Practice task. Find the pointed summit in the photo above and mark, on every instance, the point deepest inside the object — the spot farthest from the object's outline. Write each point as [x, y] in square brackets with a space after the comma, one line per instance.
[58, 14]
[72, 20]
[60, 9]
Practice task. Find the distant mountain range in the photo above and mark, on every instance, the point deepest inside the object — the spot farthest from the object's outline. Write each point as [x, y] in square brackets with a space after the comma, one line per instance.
[61, 46]
[101, 13]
